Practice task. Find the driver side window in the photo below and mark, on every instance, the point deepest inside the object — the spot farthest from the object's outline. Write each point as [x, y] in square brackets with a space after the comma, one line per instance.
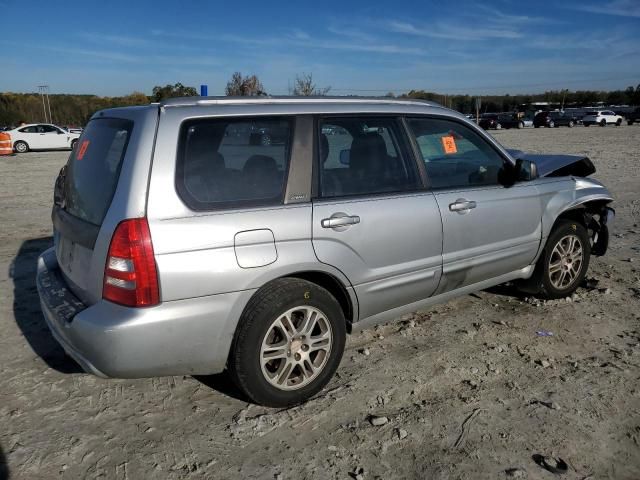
[454, 155]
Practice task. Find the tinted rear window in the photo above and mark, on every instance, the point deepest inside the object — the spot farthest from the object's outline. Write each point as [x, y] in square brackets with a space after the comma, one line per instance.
[94, 167]
[233, 163]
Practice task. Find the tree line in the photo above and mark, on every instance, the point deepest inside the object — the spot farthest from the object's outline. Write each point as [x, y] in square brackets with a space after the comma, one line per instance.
[76, 110]
[510, 103]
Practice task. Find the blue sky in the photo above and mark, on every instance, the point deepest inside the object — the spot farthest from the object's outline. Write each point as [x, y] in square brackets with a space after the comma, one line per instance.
[356, 47]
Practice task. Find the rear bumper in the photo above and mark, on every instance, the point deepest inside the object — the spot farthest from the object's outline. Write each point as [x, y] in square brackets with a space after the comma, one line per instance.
[184, 337]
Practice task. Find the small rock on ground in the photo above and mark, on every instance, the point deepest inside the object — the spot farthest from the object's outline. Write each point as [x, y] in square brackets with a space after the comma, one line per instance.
[378, 421]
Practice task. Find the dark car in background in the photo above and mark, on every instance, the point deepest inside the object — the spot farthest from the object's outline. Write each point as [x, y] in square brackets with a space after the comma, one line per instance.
[633, 116]
[501, 120]
[510, 120]
[489, 122]
[554, 119]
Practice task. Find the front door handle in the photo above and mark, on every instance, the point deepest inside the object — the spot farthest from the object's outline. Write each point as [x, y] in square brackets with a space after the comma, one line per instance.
[339, 220]
[462, 205]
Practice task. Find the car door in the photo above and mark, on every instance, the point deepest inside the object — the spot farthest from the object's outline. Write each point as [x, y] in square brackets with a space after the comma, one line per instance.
[51, 137]
[371, 217]
[489, 230]
[31, 135]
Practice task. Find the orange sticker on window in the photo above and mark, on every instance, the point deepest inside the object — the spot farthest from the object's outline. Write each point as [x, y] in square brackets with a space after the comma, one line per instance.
[449, 144]
[82, 150]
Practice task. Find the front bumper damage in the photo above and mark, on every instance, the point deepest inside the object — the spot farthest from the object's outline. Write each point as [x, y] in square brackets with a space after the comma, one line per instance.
[598, 224]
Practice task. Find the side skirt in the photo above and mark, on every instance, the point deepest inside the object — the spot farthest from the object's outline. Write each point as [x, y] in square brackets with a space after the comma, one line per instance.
[394, 313]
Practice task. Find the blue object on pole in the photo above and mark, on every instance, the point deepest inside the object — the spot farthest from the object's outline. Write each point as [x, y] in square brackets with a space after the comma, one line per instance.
[203, 90]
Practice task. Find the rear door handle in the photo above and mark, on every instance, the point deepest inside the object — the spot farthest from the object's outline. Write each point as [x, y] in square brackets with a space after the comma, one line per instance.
[462, 205]
[339, 221]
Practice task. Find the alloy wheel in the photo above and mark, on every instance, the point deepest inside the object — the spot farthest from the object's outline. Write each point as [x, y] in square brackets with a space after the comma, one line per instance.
[565, 262]
[296, 348]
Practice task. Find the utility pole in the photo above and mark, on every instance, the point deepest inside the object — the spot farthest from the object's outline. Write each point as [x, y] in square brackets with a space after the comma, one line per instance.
[46, 107]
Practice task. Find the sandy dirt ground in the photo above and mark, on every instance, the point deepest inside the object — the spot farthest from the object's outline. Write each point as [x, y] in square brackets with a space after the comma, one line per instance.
[467, 388]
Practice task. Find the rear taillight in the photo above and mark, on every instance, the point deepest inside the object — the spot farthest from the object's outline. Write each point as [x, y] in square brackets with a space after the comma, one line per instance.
[130, 276]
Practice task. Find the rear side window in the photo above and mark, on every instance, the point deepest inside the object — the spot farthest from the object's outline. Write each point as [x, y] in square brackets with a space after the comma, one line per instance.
[233, 163]
[93, 168]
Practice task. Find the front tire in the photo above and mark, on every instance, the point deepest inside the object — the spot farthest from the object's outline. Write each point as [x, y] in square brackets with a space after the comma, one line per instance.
[520, 125]
[288, 343]
[618, 123]
[603, 123]
[73, 144]
[552, 124]
[21, 147]
[571, 124]
[565, 260]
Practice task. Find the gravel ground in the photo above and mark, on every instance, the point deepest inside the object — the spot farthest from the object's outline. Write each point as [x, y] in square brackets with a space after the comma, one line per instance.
[462, 390]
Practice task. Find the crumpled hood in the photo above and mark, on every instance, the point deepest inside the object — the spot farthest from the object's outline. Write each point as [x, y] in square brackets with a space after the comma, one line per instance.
[557, 165]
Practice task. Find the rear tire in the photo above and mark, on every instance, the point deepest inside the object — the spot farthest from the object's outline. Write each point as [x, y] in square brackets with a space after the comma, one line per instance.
[618, 123]
[277, 361]
[571, 124]
[73, 144]
[520, 125]
[629, 122]
[552, 124]
[603, 123]
[21, 147]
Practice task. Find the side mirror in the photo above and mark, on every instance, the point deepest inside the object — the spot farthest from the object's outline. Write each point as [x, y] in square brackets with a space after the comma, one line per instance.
[522, 171]
[526, 170]
[345, 157]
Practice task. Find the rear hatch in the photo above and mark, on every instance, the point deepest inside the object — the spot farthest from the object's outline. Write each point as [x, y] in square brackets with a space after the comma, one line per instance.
[84, 192]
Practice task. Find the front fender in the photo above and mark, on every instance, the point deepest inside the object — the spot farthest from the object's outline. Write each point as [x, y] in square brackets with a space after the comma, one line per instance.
[562, 194]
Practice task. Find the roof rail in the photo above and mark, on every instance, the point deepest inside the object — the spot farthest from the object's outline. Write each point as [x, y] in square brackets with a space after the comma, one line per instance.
[220, 100]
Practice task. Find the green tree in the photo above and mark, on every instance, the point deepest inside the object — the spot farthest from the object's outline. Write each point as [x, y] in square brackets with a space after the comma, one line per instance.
[305, 87]
[249, 86]
[172, 91]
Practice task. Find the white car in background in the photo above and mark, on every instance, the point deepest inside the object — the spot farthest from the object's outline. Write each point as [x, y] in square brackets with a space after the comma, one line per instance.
[602, 118]
[42, 136]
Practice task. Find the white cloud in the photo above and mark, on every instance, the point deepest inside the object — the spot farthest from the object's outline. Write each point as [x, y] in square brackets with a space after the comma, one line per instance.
[622, 8]
[452, 32]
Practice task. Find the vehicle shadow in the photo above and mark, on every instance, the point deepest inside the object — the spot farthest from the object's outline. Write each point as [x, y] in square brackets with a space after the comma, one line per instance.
[26, 307]
[221, 382]
[4, 469]
[508, 290]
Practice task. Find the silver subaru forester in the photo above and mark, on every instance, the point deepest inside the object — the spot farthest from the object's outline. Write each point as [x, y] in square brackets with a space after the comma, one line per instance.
[252, 234]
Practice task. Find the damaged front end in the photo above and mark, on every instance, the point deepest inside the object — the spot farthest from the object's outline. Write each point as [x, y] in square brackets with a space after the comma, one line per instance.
[557, 165]
[587, 202]
[597, 224]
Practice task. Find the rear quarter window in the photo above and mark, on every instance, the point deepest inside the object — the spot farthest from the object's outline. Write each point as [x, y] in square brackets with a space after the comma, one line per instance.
[233, 163]
[93, 168]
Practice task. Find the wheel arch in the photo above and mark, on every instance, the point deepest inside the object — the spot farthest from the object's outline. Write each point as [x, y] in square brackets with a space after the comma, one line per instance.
[19, 140]
[593, 215]
[333, 283]
[335, 287]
